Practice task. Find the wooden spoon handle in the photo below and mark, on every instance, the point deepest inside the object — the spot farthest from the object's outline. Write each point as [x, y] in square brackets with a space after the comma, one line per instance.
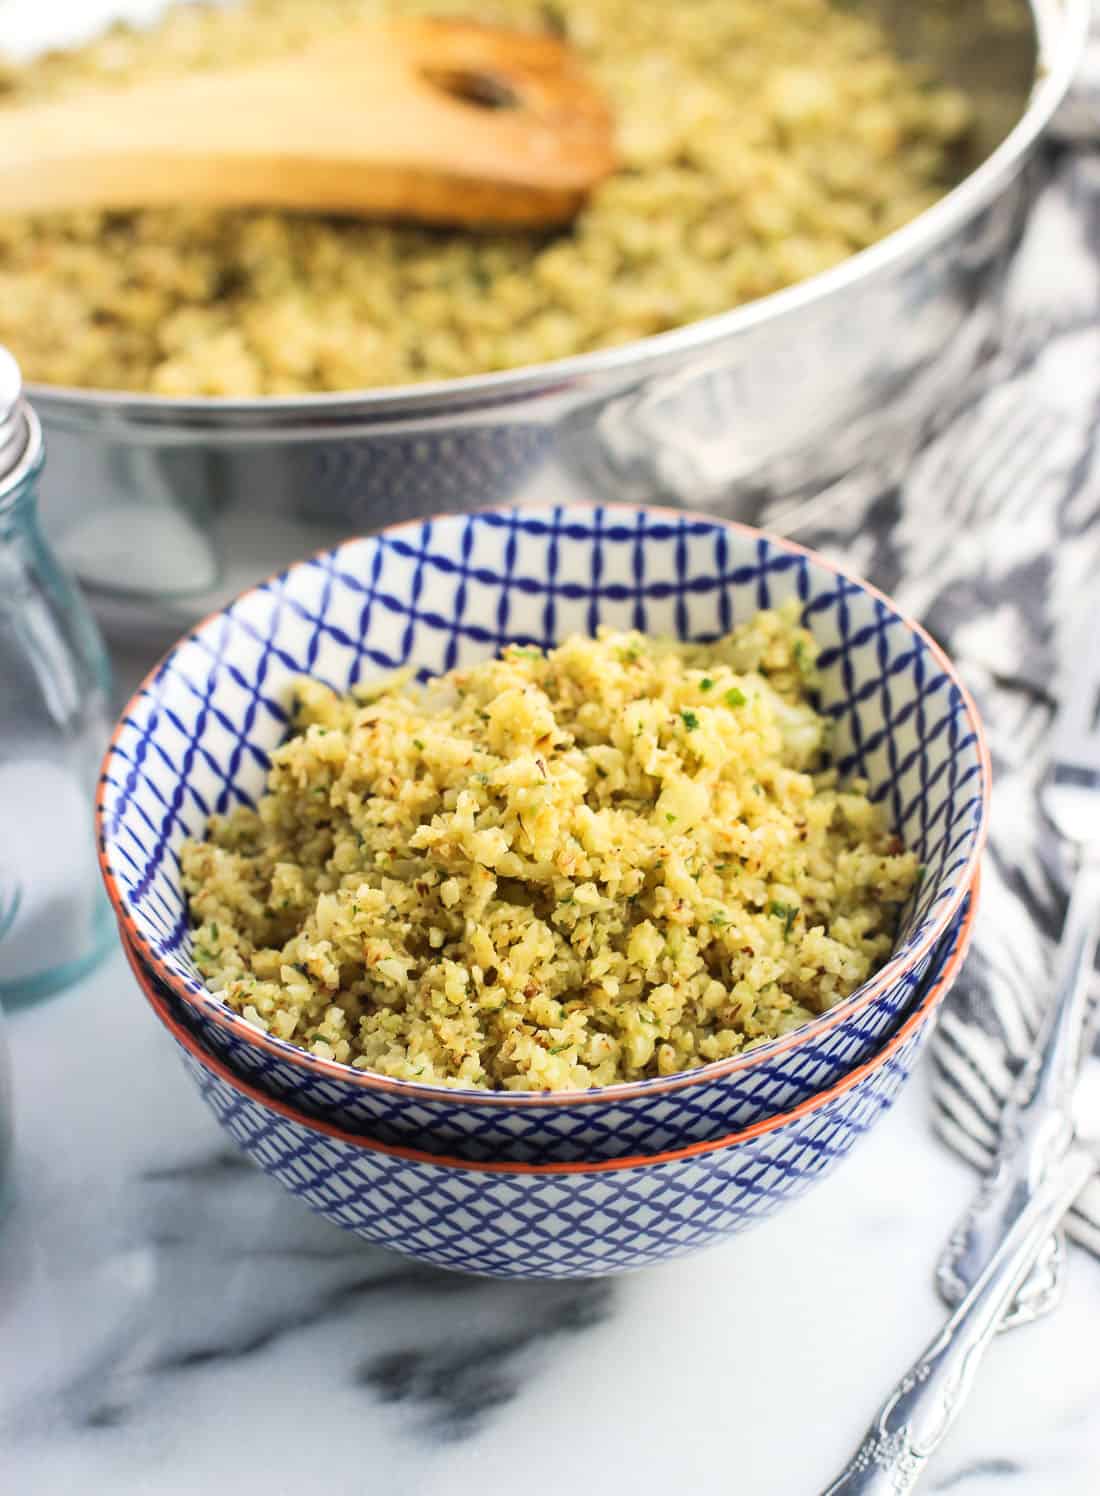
[446, 121]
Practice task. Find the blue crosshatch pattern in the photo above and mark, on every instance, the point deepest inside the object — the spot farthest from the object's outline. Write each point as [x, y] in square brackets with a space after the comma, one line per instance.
[604, 1129]
[451, 591]
[529, 1225]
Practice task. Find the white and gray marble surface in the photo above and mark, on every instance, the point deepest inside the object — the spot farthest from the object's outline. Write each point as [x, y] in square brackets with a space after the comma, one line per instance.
[172, 1323]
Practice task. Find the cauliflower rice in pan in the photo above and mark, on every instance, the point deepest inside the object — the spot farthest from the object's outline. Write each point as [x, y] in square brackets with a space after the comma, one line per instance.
[761, 141]
[617, 859]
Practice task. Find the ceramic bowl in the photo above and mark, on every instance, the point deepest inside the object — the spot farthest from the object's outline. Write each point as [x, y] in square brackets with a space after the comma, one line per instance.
[248, 1064]
[434, 594]
[560, 1220]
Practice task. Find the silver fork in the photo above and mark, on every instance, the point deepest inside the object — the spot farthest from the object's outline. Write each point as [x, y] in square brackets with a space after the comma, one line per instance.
[915, 1418]
[1036, 1125]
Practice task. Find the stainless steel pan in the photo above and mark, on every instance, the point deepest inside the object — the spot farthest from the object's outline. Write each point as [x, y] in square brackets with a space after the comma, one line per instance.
[164, 508]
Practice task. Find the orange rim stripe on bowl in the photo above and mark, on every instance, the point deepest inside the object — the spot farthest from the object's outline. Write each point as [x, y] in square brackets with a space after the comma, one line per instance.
[222, 1014]
[927, 1009]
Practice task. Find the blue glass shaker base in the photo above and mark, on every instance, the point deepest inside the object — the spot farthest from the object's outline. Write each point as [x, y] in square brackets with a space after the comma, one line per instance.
[53, 979]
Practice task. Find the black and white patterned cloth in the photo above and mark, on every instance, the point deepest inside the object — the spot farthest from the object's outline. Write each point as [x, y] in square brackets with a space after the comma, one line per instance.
[992, 538]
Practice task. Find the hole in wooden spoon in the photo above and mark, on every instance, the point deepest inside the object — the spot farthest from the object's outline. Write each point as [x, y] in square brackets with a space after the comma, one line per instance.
[469, 87]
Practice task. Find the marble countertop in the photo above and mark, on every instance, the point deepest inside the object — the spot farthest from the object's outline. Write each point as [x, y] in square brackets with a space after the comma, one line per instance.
[172, 1322]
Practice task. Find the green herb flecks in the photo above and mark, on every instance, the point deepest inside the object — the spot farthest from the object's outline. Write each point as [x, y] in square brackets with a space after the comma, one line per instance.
[802, 660]
[788, 913]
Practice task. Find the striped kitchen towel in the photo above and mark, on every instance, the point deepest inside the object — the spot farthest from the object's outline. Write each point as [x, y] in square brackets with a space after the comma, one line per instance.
[992, 537]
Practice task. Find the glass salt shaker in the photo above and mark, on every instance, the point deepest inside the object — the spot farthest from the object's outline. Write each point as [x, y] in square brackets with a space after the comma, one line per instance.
[54, 715]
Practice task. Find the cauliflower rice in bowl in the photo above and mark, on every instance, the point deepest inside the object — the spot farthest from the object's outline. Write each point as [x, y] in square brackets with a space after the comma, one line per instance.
[618, 859]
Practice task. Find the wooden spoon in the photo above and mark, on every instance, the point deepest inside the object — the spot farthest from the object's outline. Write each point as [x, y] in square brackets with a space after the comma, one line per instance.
[439, 120]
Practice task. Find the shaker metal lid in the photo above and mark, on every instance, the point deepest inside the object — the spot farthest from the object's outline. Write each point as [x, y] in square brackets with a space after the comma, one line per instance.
[15, 425]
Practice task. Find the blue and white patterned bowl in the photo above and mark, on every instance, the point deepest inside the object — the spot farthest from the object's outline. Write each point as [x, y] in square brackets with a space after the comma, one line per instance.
[445, 592]
[560, 1220]
[614, 1131]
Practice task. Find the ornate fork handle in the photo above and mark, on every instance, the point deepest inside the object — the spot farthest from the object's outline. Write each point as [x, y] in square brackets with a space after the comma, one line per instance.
[1036, 1125]
[915, 1417]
